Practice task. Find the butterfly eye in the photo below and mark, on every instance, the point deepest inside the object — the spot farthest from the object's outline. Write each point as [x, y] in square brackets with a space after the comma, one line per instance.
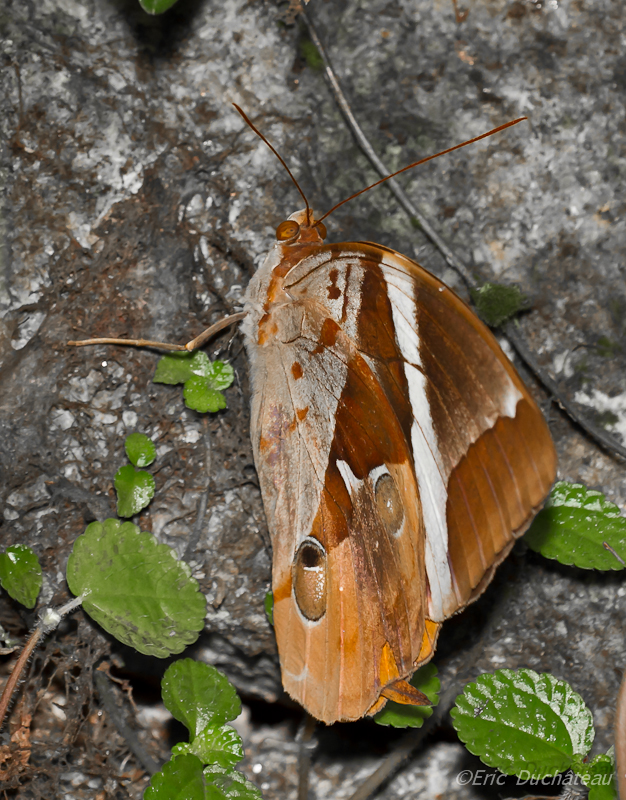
[321, 229]
[309, 579]
[287, 230]
[389, 503]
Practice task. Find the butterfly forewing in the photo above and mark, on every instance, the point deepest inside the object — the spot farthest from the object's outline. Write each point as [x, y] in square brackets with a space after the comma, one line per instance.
[399, 454]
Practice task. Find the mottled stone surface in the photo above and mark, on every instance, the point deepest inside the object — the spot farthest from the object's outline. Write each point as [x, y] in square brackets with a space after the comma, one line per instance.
[135, 203]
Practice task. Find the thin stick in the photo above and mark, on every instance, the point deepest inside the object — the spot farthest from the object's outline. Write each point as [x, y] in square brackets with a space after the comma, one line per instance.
[601, 437]
[305, 734]
[194, 344]
[393, 185]
[407, 745]
[107, 696]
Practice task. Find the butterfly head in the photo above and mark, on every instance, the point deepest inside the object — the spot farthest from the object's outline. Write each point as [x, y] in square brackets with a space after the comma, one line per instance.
[301, 228]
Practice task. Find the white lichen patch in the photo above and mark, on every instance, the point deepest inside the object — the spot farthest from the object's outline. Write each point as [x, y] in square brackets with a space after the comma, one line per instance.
[613, 407]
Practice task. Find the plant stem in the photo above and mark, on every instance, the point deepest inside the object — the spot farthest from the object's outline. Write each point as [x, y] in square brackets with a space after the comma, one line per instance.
[49, 620]
[14, 677]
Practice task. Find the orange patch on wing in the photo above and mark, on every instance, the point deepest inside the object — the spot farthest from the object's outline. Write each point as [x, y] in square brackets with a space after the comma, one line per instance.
[387, 667]
[296, 370]
[328, 335]
[429, 640]
[302, 412]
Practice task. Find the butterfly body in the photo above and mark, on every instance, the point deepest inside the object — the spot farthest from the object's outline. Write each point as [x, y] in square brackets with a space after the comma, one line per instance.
[399, 456]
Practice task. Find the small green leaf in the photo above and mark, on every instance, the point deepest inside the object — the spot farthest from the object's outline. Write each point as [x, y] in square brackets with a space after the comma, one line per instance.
[573, 526]
[406, 716]
[178, 367]
[182, 778]
[221, 374]
[203, 379]
[497, 303]
[234, 785]
[269, 607]
[20, 574]
[310, 53]
[199, 395]
[136, 588]
[156, 6]
[198, 695]
[607, 348]
[139, 449]
[523, 723]
[134, 490]
[599, 777]
[221, 745]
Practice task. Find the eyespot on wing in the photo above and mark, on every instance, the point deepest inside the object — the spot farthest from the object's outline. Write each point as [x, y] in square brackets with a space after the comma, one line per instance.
[309, 579]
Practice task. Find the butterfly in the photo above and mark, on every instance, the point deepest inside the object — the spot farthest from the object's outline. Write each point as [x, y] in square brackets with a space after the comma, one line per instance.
[399, 456]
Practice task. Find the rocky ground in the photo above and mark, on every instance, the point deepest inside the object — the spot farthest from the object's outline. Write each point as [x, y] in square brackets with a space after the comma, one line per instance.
[134, 202]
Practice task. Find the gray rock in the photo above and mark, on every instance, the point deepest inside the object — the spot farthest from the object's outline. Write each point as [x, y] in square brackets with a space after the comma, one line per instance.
[136, 203]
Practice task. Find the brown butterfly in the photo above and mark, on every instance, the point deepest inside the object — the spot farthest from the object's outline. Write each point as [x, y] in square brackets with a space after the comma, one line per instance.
[399, 456]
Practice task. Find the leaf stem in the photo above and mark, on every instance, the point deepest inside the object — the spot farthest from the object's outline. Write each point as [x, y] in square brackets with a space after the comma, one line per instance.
[49, 619]
[14, 677]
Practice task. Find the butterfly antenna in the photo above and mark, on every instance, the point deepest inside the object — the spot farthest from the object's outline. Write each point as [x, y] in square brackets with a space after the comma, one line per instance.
[422, 161]
[279, 157]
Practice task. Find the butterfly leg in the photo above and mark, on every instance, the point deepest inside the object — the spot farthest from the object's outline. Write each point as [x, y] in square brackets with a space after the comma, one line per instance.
[194, 344]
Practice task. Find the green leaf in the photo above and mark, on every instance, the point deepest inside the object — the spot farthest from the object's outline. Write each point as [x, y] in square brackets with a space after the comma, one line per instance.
[198, 695]
[134, 490]
[406, 716]
[139, 449]
[607, 348]
[497, 303]
[523, 723]
[178, 367]
[199, 395]
[20, 574]
[310, 53]
[182, 778]
[220, 745]
[136, 588]
[156, 6]
[234, 785]
[269, 607]
[573, 526]
[599, 777]
[203, 379]
[220, 374]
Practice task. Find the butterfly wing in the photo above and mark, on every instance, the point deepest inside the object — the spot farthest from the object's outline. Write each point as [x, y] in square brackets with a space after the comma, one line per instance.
[385, 424]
